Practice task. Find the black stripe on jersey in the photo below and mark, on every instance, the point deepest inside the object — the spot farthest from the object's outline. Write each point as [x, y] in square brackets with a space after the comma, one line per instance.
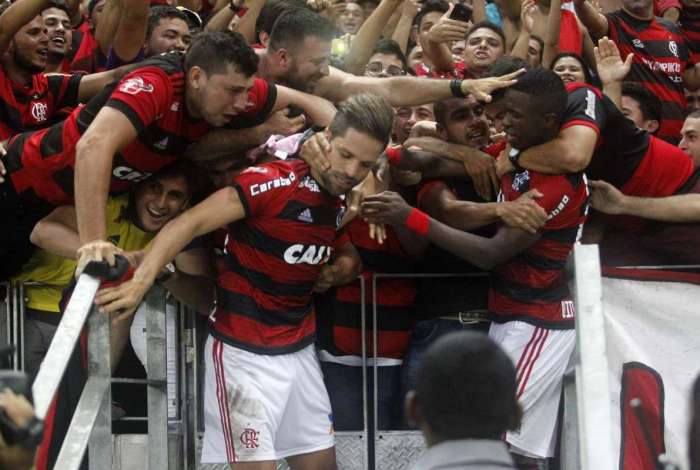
[87, 114]
[52, 142]
[64, 178]
[267, 350]
[541, 263]
[564, 236]
[67, 96]
[380, 261]
[244, 201]
[21, 97]
[153, 136]
[527, 294]
[13, 159]
[321, 215]
[241, 304]
[260, 241]
[263, 282]
[129, 112]
[10, 116]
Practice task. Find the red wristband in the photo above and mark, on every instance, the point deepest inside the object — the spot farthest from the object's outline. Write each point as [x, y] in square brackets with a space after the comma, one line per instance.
[394, 155]
[418, 221]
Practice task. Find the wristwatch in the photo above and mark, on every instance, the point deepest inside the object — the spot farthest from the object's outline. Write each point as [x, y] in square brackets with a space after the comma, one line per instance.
[167, 272]
[514, 156]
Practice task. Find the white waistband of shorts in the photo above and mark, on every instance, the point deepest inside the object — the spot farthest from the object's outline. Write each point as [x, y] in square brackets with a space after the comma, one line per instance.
[356, 361]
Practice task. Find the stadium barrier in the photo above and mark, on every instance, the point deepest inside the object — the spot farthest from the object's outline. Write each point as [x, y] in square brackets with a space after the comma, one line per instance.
[175, 437]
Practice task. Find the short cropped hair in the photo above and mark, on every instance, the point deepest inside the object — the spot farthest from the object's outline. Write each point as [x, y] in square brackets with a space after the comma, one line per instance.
[294, 26]
[503, 66]
[213, 51]
[160, 12]
[430, 6]
[546, 89]
[272, 10]
[366, 113]
[649, 103]
[391, 47]
[488, 25]
[694, 115]
[466, 387]
[61, 5]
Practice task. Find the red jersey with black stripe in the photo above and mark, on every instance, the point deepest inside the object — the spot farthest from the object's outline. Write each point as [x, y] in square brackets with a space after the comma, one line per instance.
[340, 311]
[689, 22]
[152, 97]
[627, 157]
[273, 258]
[660, 59]
[85, 55]
[24, 108]
[532, 286]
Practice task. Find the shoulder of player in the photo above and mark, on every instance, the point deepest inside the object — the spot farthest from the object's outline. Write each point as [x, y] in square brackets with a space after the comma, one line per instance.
[577, 91]
[278, 175]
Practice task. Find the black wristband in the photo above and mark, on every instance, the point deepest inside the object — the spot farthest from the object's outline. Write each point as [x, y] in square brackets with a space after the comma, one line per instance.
[456, 88]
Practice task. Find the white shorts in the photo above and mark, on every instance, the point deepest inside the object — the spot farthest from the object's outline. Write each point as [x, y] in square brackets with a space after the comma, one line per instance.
[541, 356]
[259, 407]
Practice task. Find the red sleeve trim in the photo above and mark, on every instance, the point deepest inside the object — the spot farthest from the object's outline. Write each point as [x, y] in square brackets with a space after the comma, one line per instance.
[581, 122]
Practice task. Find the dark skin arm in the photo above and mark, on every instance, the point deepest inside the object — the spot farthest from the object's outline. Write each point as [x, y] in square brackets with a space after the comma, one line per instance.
[342, 269]
[486, 253]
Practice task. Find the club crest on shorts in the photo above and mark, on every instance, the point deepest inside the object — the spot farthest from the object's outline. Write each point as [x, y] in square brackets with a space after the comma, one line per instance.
[250, 438]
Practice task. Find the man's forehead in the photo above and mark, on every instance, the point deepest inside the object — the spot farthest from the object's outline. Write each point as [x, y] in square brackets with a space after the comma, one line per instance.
[481, 33]
[691, 125]
[53, 11]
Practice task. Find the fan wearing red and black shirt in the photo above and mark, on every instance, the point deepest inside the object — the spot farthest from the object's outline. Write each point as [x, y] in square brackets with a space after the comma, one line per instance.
[529, 301]
[282, 218]
[662, 62]
[29, 99]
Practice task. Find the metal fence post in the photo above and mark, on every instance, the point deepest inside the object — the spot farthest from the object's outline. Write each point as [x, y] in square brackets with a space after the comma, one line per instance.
[157, 380]
[99, 367]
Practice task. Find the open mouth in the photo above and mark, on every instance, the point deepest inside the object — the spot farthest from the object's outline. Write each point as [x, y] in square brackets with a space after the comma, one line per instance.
[43, 52]
[481, 55]
[59, 41]
[156, 215]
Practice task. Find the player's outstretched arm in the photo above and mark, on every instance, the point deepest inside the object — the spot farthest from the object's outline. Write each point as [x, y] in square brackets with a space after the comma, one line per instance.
[486, 253]
[218, 210]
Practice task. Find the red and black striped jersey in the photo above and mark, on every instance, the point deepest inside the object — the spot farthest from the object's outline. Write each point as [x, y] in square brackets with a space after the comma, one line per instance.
[152, 97]
[689, 22]
[339, 316]
[532, 286]
[25, 108]
[660, 59]
[627, 157]
[273, 258]
[85, 55]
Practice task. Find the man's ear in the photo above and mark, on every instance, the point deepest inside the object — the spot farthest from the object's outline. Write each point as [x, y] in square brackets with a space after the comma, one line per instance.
[284, 58]
[551, 120]
[651, 126]
[412, 409]
[264, 38]
[196, 77]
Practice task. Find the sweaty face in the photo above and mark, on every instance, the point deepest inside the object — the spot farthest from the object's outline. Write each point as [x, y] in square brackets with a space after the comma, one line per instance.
[352, 156]
[220, 97]
[30, 46]
[171, 34]
[384, 65]
[308, 64]
[521, 121]
[351, 18]
[466, 123]
[690, 142]
[407, 117]
[693, 99]
[484, 47]
[58, 28]
[570, 70]
[159, 200]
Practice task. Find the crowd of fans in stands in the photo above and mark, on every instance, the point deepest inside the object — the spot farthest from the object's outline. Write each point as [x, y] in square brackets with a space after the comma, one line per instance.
[291, 152]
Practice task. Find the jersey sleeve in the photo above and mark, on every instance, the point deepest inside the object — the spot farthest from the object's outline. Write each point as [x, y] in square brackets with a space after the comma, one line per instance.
[261, 188]
[584, 107]
[142, 96]
[262, 97]
[560, 195]
[64, 89]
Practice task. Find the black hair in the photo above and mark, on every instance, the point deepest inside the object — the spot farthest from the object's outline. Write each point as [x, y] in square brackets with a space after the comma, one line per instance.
[160, 12]
[213, 51]
[366, 113]
[584, 65]
[391, 47]
[503, 66]
[488, 25]
[272, 10]
[466, 387]
[294, 26]
[61, 5]
[649, 103]
[430, 6]
[546, 89]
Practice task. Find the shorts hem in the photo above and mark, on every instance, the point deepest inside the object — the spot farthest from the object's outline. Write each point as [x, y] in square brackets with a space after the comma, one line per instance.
[306, 450]
[225, 460]
[523, 446]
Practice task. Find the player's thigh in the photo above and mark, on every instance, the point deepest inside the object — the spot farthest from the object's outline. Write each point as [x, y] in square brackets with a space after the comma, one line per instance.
[319, 460]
